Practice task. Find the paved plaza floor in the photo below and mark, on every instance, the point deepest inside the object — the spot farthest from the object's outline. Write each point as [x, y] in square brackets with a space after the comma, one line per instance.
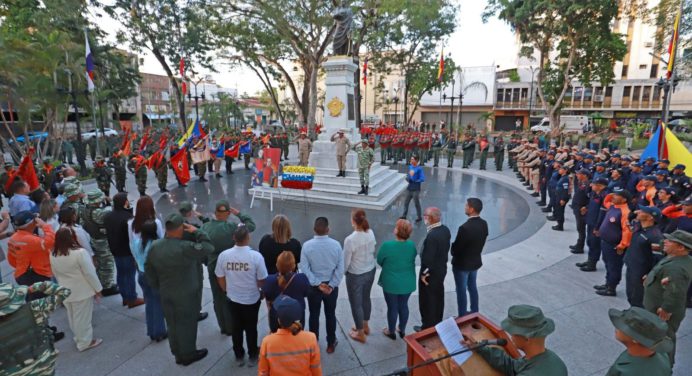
[524, 262]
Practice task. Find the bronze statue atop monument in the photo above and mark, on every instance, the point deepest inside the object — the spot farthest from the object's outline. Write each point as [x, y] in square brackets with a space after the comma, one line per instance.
[343, 16]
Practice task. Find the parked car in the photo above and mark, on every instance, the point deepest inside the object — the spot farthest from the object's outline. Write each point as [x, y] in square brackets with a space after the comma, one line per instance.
[92, 134]
[32, 136]
[569, 123]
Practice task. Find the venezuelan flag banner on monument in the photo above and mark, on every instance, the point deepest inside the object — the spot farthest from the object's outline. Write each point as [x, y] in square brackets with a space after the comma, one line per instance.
[673, 150]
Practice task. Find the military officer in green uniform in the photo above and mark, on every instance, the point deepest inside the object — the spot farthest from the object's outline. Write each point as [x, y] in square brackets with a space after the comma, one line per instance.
[483, 147]
[366, 156]
[103, 175]
[92, 218]
[92, 148]
[469, 148]
[73, 197]
[665, 287]
[138, 166]
[644, 335]
[436, 148]
[25, 340]
[218, 229]
[171, 268]
[528, 327]
[499, 151]
[160, 167]
[68, 150]
[120, 168]
[451, 149]
[47, 174]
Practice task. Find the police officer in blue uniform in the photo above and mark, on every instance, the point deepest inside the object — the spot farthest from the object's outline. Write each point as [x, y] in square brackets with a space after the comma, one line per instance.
[642, 251]
[634, 177]
[679, 181]
[594, 213]
[661, 178]
[616, 180]
[545, 172]
[552, 183]
[561, 197]
[580, 203]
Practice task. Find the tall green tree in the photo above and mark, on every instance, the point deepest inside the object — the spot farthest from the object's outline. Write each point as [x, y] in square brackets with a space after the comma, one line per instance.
[409, 43]
[170, 30]
[571, 41]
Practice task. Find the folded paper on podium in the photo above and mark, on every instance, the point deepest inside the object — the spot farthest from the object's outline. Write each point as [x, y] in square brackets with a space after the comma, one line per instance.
[426, 345]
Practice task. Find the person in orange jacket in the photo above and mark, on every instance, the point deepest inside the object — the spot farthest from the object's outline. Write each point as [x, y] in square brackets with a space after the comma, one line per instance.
[291, 350]
[615, 235]
[29, 254]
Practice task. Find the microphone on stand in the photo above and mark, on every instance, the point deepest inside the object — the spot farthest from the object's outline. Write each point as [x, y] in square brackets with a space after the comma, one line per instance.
[486, 342]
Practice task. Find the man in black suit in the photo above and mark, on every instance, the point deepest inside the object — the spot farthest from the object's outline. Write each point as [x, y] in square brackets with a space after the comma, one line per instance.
[466, 255]
[433, 268]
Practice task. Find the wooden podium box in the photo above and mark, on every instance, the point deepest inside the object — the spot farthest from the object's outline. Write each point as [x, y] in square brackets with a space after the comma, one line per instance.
[426, 345]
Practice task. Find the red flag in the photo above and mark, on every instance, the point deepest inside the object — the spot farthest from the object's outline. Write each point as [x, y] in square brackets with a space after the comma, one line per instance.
[127, 148]
[126, 138]
[155, 160]
[180, 166]
[234, 151]
[145, 141]
[365, 72]
[441, 67]
[162, 142]
[182, 75]
[26, 172]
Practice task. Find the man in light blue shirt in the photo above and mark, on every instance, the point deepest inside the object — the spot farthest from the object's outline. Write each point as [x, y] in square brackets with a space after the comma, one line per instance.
[20, 200]
[322, 261]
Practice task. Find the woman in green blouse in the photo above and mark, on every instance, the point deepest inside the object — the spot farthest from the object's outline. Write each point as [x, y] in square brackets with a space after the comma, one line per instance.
[398, 277]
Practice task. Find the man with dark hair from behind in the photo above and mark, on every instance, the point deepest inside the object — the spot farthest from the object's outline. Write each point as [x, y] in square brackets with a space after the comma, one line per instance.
[466, 255]
[322, 261]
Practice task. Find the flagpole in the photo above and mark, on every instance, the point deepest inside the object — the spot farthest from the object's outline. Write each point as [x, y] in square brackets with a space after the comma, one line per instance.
[671, 81]
[93, 101]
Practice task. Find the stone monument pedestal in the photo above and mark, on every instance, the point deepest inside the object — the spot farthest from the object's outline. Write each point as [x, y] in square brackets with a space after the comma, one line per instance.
[385, 184]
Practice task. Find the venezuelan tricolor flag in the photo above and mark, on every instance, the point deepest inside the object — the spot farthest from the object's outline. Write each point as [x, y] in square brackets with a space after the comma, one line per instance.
[194, 130]
[672, 149]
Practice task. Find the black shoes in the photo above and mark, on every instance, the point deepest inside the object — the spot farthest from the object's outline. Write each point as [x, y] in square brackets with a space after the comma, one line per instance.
[366, 190]
[199, 355]
[558, 228]
[160, 338]
[110, 291]
[577, 251]
[419, 219]
[600, 287]
[417, 328]
[163, 190]
[202, 316]
[546, 210]
[608, 291]
[588, 267]
[541, 203]
[551, 218]
[202, 179]
[582, 264]
[535, 194]
[362, 190]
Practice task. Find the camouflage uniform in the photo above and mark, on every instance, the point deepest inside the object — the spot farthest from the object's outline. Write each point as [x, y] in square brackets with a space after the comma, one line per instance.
[451, 147]
[92, 219]
[73, 197]
[161, 171]
[138, 166]
[47, 175]
[68, 151]
[120, 169]
[92, 148]
[366, 155]
[499, 151]
[103, 174]
[436, 147]
[284, 146]
[12, 301]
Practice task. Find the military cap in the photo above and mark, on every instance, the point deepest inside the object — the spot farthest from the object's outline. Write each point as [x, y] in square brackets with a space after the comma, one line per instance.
[99, 158]
[669, 190]
[650, 159]
[600, 164]
[9, 164]
[649, 178]
[642, 326]
[664, 161]
[680, 236]
[364, 140]
[622, 193]
[95, 196]
[601, 181]
[581, 154]
[527, 321]
[12, 298]
[615, 155]
[636, 164]
[23, 218]
[662, 172]
[222, 206]
[72, 190]
[589, 157]
[601, 156]
[185, 207]
[651, 210]
[627, 158]
[174, 219]
[679, 166]
[552, 152]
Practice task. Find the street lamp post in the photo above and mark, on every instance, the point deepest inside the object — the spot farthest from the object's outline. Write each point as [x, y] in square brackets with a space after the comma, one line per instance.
[451, 105]
[196, 97]
[396, 103]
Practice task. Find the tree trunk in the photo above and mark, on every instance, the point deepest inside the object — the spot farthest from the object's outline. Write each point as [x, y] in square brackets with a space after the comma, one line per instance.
[405, 103]
[313, 97]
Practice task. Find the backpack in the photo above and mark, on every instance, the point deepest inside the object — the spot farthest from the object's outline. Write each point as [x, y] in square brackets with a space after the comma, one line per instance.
[22, 340]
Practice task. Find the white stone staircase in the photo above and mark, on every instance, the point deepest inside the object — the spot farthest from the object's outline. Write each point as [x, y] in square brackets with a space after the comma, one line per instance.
[385, 186]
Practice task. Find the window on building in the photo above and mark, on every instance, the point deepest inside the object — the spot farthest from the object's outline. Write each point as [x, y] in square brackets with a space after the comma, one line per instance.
[588, 92]
[625, 68]
[500, 93]
[626, 91]
[654, 71]
[524, 93]
[636, 91]
[646, 95]
[515, 96]
[508, 95]
[642, 66]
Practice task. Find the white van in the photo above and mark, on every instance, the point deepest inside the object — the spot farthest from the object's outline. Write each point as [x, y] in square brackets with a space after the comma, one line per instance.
[569, 123]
